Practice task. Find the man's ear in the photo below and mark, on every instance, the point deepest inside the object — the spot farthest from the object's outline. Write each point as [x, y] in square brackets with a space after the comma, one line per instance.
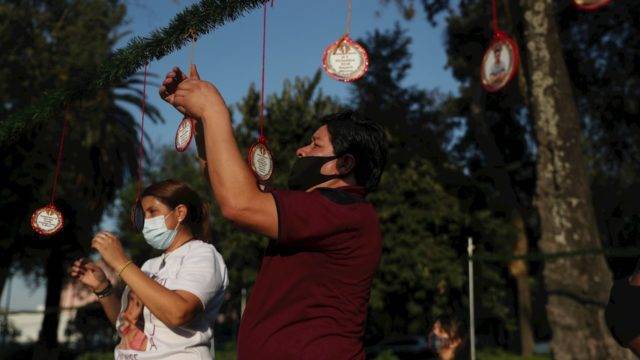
[346, 164]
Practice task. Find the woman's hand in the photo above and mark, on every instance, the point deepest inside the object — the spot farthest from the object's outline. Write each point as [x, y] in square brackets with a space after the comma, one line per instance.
[89, 274]
[110, 249]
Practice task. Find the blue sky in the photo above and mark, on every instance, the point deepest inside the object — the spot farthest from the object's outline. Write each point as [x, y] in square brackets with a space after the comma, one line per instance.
[298, 32]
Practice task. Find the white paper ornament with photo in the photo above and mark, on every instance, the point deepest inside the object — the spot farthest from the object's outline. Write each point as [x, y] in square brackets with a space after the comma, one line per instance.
[47, 220]
[345, 60]
[261, 161]
[184, 134]
[500, 63]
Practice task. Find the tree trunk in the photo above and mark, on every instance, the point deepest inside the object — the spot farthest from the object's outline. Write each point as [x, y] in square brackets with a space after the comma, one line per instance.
[47, 347]
[577, 287]
[6, 258]
[508, 198]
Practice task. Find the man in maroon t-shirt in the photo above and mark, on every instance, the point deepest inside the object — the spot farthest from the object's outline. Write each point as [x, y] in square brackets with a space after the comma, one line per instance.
[310, 298]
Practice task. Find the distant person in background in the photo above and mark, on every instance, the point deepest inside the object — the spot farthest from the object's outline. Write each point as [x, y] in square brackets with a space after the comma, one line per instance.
[621, 313]
[446, 339]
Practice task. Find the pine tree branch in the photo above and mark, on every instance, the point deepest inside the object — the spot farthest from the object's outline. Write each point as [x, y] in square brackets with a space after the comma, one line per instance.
[198, 19]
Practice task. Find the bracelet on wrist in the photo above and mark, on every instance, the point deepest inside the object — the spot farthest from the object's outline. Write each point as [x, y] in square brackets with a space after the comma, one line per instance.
[103, 288]
[124, 267]
[104, 292]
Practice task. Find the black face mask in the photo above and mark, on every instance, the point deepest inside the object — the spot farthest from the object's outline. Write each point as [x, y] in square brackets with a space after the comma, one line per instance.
[306, 174]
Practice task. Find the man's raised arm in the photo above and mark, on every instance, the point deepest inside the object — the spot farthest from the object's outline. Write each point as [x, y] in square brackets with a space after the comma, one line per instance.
[233, 183]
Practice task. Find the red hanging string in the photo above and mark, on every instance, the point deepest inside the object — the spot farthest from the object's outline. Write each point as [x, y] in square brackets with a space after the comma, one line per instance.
[56, 175]
[497, 33]
[262, 138]
[141, 148]
[496, 29]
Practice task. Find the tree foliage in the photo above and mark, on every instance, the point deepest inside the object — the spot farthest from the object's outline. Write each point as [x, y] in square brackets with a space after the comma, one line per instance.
[46, 45]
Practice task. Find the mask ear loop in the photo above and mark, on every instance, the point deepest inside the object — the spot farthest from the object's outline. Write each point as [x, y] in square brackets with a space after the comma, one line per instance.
[179, 221]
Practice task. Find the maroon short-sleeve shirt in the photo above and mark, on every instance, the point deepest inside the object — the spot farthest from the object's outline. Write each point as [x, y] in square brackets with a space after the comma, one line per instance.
[310, 298]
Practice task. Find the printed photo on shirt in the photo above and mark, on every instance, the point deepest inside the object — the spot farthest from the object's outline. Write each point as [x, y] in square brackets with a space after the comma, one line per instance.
[131, 325]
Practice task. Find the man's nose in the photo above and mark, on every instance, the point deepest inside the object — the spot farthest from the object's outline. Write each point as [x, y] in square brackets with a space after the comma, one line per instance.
[300, 152]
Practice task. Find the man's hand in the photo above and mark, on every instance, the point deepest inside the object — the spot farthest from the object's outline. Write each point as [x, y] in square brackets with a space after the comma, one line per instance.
[171, 82]
[197, 97]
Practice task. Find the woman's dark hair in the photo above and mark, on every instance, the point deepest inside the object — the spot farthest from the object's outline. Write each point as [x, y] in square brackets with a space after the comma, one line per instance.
[364, 139]
[173, 193]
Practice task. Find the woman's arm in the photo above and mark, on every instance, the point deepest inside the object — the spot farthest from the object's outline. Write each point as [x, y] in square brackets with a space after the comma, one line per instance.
[92, 276]
[173, 307]
[111, 306]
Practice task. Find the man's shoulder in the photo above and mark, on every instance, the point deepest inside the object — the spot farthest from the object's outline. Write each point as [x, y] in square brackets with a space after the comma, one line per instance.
[340, 196]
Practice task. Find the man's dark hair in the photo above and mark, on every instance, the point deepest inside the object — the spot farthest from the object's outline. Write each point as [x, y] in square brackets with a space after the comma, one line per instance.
[364, 139]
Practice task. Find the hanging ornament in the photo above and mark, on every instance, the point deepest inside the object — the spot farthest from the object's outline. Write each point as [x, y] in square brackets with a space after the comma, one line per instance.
[137, 212]
[501, 60]
[261, 161]
[48, 220]
[260, 158]
[186, 128]
[184, 135]
[346, 60]
[590, 5]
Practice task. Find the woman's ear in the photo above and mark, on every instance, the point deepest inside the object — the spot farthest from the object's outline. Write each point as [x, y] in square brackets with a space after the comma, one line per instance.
[346, 164]
[181, 212]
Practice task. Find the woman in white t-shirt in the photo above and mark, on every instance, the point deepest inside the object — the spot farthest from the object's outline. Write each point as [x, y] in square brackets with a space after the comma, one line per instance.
[169, 305]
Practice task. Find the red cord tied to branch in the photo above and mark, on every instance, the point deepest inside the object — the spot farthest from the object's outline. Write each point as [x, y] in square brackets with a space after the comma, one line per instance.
[259, 157]
[49, 220]
[143, 110]
[63, 133]
[262, 139]
[137, 212]
[497, 33]
[494, 17]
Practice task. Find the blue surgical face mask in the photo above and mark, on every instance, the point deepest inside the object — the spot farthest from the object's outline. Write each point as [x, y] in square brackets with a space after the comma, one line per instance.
[157, 234]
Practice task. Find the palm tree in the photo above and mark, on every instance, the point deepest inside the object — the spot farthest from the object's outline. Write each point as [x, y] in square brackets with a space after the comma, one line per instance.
[47, 45]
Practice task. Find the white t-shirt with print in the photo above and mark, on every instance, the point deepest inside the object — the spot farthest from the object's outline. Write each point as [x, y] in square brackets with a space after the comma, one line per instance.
[196, 267]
